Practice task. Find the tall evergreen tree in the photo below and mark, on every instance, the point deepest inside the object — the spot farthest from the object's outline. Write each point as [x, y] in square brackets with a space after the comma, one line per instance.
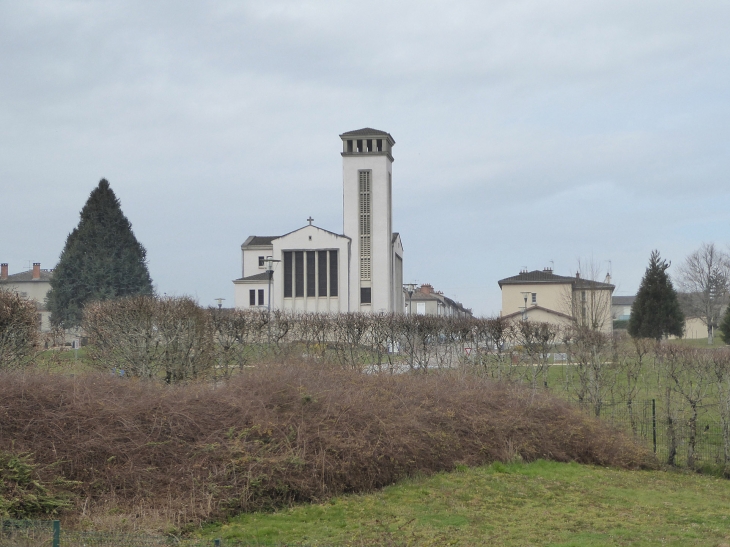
[101, 260]
[656, 312]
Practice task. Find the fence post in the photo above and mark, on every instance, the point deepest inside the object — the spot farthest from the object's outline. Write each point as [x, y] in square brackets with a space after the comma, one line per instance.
[653, 422]
[56, 533]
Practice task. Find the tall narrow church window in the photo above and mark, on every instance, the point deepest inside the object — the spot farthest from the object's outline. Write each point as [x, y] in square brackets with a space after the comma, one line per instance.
[333, 273]
[322, 272]
[298, 273]
[287, 274]
[359, 145]
[379, 145]
[311, 277]
[349, 146]
[365, 223]
[370, 145]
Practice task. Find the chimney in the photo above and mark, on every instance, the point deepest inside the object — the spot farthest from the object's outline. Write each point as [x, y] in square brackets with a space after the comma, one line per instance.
[577, 275]
[36, 270]
[547, 270]
[4, 270]
[426, 288]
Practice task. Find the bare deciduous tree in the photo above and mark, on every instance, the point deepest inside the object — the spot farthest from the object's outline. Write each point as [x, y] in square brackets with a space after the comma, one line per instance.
[704, 278]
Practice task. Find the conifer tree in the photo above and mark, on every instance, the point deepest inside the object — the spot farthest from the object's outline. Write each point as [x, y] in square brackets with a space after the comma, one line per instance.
[101, 260]
[725, 326]
[656, 312]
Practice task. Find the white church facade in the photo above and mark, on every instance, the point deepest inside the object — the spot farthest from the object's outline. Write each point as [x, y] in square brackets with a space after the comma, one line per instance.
[315, 270]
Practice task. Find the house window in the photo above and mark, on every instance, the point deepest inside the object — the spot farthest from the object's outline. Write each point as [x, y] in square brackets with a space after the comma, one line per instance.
[252, 297]
[287, 274]
[261, 262]
[420, 308]
[534, 298]
[311, 276]
[365, 295]
[261, 297]
[298, 274]
[333, 273]
[322, 273]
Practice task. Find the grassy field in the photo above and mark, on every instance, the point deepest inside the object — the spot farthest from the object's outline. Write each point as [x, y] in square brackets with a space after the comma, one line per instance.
[542, 503]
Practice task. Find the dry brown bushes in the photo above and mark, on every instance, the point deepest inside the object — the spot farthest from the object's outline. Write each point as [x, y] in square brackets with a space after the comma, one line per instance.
[278, 435]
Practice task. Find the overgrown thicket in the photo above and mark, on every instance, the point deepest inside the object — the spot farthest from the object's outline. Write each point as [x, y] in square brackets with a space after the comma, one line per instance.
[176, 340]
[19, 329]
[151, 454]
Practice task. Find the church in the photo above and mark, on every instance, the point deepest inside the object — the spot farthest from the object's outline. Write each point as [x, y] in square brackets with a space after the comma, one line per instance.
[315, 270]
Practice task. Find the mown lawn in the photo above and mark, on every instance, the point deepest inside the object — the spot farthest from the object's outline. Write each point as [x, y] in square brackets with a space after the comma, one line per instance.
[542, 503]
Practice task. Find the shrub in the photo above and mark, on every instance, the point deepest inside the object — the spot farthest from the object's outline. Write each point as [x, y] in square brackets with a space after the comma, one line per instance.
[150, 337]
[19, 329]
[284, 434]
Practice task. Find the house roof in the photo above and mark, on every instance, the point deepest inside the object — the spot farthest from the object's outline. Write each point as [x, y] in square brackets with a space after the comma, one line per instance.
[623, 300]
[547, 276]
[529, 309]
[21, 277]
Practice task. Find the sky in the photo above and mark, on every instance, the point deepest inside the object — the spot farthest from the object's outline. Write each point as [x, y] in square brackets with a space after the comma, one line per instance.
[529, 134]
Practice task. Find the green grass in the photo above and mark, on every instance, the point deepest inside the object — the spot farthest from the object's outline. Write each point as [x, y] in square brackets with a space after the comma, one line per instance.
[542, 503]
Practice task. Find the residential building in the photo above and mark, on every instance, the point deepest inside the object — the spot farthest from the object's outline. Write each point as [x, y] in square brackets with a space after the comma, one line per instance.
[317, 270]
[546, 297]
[621, 307]
[33, 284]
[426, 301]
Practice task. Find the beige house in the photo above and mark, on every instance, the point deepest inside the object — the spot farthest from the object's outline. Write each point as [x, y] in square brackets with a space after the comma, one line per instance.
[426, 301]
[32, 284]
[562, 300]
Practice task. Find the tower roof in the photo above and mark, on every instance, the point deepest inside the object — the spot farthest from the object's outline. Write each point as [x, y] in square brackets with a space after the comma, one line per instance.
[368, 132]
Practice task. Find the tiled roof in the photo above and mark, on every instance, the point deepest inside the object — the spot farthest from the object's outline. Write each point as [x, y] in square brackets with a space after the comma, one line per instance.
[540, 308]
[547, 276]
[46, 275]
[623, 300]
[366, 131]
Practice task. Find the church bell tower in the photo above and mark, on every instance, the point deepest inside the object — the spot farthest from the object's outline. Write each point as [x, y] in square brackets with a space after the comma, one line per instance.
[367, 167]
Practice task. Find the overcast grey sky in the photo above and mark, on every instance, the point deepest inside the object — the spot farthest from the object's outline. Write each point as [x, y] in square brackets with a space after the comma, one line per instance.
[528, 133]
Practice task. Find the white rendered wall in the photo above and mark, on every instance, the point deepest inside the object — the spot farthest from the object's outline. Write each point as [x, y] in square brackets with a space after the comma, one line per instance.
[314, 239]
[251, 259]
[380, 167]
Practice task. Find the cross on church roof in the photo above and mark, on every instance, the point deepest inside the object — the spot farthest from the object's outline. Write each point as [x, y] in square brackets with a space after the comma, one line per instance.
[310, 220]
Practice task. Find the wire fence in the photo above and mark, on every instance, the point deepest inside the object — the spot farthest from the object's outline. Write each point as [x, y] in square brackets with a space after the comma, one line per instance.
[677, 436]
[49, 533]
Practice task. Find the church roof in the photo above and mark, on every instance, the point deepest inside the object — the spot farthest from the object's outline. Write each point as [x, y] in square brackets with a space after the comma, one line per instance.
[263, 276]
[368, 132]
[259, 240]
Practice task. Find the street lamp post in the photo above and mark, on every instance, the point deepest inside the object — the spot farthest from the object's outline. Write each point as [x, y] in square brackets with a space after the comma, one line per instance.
[524, 310]
[410, 288]
[269, 270]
